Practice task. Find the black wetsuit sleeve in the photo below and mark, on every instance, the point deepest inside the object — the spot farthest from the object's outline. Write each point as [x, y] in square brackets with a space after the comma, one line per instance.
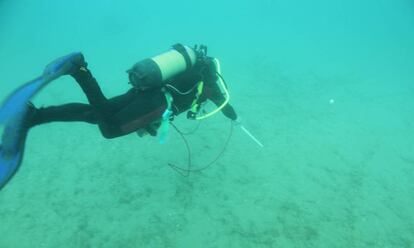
[213, 92]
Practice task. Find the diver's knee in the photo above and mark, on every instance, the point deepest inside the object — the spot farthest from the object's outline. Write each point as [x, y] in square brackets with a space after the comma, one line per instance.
[108, 135]
[108, 132]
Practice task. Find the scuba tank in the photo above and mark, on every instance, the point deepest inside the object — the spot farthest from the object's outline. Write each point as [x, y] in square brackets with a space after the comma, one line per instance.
[155, 71]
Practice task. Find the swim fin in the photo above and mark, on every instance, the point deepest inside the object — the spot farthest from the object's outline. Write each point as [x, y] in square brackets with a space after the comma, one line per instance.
[14, 115]
[11, 154]
[15, 104]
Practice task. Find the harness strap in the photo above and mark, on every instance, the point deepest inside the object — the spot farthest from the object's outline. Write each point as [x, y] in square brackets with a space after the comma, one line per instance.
[165, 120]
[195, 105]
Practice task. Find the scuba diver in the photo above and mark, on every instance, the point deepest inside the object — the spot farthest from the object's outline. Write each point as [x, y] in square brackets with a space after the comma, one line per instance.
[164, 86]
[179, 80]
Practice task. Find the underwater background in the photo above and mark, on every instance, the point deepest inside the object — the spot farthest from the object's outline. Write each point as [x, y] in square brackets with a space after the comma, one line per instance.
[326, 86]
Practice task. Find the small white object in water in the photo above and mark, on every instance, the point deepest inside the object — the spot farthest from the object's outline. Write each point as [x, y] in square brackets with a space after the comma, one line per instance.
[251, 136]
[332, 101]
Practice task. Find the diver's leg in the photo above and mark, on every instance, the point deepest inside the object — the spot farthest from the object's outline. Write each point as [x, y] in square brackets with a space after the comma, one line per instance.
[109, 124]
[106, 107]
[75, 112]
[91, 89]
[64, 113]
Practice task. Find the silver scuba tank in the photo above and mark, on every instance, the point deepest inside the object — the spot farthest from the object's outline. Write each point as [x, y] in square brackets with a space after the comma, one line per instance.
[155, 71]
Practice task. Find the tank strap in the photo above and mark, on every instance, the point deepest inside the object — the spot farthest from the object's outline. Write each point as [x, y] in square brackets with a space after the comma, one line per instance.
[165, 119]
[181, 49]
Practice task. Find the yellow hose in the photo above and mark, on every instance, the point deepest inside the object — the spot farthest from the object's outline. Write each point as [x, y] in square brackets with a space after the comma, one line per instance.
[226, 92]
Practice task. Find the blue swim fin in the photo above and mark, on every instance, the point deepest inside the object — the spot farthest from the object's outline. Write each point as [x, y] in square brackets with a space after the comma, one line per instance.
[11, 157]
[15, 104]
[14, 114]
[14, 107]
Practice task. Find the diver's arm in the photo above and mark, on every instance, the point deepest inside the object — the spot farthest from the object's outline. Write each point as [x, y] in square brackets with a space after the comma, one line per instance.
[214, 94]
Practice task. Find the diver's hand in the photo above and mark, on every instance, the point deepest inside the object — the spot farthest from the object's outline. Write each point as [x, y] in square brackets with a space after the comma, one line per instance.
[65, 65]
[237, 122]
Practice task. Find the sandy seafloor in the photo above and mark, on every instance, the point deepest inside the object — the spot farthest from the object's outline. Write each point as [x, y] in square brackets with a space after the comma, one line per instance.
[331, 174]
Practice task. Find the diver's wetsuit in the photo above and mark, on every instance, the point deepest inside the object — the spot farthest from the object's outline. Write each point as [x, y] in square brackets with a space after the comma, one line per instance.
[136, 109]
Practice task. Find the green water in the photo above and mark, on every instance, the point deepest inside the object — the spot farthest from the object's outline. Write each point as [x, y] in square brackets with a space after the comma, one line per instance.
[326, 86]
